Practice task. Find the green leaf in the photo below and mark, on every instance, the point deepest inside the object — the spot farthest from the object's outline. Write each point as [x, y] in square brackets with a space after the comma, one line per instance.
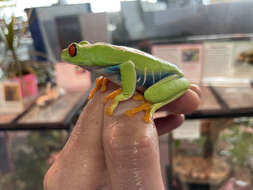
[10, 33]
[177, 144]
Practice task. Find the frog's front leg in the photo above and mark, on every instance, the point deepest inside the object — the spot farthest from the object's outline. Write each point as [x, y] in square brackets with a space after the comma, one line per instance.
[160, 94]
[100, 81]
[128, 83]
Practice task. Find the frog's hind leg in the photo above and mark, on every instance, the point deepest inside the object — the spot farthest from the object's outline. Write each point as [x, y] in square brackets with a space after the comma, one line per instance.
[165, 92]
[160, 94]
[100, 81]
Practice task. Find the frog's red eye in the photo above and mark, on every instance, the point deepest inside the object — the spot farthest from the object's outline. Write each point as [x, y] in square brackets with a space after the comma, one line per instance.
[72, 50]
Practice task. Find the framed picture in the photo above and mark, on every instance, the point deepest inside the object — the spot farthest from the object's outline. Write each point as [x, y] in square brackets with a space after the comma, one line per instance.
[10, 97]
[190, 55]
[12, 92]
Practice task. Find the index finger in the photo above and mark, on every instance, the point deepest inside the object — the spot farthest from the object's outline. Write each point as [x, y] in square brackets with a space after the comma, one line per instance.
[82, 155]
[131, 150]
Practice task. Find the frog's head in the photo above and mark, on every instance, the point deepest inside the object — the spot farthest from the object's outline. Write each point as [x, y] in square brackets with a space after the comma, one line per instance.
[77, 54]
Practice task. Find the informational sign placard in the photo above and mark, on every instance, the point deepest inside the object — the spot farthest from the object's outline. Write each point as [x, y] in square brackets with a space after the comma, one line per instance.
[228, 62]
[218, 60]
[189, 130]
[188, 57]
[242, 66]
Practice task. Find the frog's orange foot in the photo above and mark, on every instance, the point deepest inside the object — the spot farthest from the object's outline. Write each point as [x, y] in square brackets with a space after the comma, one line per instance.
[138, 97]
[112, 95]
[100, 81]
[145, 106]
[104, 84]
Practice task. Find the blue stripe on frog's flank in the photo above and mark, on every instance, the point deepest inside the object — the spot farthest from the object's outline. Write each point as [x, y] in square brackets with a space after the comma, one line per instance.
[112, 69]
[142, 79]
[150, 78]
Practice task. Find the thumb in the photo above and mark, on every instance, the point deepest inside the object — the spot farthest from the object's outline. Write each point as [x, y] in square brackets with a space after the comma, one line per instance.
[131, 151]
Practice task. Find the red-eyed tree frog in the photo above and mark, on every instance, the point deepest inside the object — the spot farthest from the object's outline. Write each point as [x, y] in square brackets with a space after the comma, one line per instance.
[160, 81]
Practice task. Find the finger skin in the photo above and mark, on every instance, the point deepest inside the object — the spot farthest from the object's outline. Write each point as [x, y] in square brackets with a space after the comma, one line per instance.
[196, 89]
[80, 164]
[167, 124]
[187, 103]
[131, 151]
[131, 148]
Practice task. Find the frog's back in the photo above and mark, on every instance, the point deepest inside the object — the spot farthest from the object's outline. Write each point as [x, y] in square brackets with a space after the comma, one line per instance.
[112, 54]
[149, 69]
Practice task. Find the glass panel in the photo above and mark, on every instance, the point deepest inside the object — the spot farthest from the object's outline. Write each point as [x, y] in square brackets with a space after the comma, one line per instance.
[220, 157]
[26, 156]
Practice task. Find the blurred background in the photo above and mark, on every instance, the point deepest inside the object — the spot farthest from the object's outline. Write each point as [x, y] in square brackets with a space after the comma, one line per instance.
[210, 40]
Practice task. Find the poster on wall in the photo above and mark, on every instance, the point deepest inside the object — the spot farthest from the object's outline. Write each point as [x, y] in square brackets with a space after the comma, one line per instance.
[188, 57]
[190, 130]
[242, 66]
[228, 63]
[10, 97]
[218, 61]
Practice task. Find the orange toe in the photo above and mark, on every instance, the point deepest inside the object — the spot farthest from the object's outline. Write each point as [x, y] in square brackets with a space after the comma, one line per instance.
[145, 106]
[99, 81]
[104, 85]
[112, 95]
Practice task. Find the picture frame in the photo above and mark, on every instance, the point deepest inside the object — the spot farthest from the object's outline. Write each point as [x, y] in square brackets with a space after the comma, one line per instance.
[10, 97]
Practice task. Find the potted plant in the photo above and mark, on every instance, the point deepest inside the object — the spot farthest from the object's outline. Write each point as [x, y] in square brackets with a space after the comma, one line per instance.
[14, 68]
[236, 145]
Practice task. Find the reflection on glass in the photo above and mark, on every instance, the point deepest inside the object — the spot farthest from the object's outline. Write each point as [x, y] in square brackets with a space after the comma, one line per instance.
[222, 155]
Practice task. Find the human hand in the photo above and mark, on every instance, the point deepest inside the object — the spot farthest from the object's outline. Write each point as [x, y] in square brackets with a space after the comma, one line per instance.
[117, 152]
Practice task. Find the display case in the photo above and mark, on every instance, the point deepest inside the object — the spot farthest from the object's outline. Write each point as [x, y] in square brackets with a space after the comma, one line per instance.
[212, 44]
[220, 156]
